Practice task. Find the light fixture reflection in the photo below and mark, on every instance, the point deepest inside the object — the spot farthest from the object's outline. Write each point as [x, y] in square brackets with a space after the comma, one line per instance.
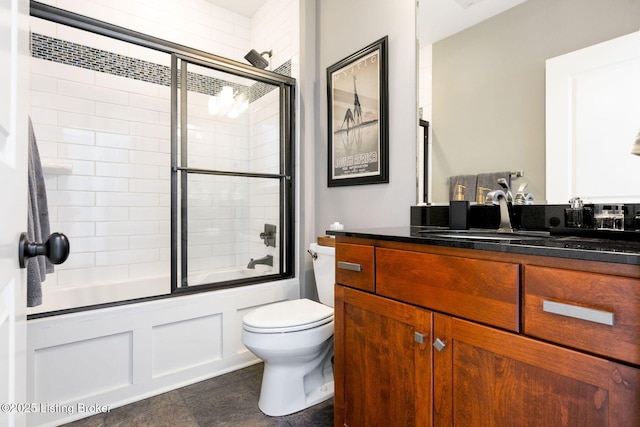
[635, 149]
[228, 104]
[240, 105]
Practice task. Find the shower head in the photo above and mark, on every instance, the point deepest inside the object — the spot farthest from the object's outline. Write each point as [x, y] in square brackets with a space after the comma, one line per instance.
[256, 58]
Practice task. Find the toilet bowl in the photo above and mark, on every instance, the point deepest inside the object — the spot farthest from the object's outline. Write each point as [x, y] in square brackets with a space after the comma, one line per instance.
[295, 341]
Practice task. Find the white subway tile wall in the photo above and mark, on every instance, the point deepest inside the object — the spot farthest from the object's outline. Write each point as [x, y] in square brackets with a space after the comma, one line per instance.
[109, 124]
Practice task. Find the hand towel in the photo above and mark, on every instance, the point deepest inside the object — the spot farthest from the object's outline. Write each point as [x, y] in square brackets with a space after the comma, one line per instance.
[469, 182]
[38, 228]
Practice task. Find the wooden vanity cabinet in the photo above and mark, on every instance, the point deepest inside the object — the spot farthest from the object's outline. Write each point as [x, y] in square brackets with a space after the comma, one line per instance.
[383, 362]
[488, 377]
[411, 351]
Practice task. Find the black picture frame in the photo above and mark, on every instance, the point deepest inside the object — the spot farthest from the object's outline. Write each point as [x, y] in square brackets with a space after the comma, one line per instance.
[358, 117]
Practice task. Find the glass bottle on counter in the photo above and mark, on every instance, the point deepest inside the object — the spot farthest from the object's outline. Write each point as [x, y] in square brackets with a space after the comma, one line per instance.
[609, 217]
[578, 215]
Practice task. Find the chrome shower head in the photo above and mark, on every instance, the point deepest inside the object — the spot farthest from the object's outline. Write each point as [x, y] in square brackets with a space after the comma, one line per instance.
[256, 58]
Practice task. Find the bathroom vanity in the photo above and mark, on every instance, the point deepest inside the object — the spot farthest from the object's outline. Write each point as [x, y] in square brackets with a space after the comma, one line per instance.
[434, 328]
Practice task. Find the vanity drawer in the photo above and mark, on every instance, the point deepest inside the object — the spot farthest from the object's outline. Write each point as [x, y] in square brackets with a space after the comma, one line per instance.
[355, 266]
[588, 311]
[479, 290]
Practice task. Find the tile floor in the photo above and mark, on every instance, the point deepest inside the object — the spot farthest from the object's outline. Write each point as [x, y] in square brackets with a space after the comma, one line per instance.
[227, 400]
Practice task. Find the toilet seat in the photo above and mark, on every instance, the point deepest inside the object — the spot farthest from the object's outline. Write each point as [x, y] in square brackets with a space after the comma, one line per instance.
[287, 316]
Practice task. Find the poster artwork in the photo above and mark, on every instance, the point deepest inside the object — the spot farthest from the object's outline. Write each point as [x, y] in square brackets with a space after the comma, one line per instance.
[355, 118]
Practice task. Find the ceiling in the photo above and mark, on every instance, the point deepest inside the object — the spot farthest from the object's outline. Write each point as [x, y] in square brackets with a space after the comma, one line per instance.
[437, 19]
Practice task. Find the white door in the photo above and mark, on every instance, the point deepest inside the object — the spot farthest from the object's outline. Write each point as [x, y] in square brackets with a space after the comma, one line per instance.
[592, 118]
[13, 211]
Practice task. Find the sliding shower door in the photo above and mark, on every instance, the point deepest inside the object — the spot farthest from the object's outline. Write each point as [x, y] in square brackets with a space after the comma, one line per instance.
[169, 168]
[101, 113]
[232, 182]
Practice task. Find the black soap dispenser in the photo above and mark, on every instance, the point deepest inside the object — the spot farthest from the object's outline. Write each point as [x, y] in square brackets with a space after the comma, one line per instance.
[459, 210]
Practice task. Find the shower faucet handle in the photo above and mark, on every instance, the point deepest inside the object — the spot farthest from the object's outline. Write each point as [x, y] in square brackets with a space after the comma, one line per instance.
[268, 236]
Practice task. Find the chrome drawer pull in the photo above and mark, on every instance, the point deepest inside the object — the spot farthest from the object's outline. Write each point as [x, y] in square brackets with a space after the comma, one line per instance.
[582, 313]
[439, 345]
[349, 266]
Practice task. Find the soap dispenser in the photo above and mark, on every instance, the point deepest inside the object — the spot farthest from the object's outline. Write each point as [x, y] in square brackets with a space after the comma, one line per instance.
[459, 210]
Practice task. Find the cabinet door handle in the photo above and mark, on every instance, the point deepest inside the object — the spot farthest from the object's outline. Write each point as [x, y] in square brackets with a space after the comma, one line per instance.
[577, 312]
[349, 266]
[439, 344]
[418, 337]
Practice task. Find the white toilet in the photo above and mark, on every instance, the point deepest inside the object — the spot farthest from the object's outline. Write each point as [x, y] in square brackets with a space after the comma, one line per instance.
[295, 341]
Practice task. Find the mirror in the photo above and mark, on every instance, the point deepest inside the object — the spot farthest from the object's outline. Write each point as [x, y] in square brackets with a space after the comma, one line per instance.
[482, 87]
[590, 129]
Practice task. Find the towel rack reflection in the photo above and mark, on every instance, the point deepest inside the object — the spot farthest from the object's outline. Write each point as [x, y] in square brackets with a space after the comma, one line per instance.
[514, 174]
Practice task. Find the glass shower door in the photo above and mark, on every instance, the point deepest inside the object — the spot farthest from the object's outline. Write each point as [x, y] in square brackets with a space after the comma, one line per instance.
[231, 176]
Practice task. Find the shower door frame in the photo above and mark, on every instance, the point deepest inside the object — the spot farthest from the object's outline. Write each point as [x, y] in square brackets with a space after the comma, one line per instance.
[179, 90]
[177, 51]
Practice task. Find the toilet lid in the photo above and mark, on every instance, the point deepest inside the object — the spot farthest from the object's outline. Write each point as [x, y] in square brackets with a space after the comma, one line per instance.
[288, 316]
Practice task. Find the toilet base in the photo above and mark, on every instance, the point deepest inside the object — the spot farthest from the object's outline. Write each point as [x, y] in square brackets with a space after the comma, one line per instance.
[287, 389]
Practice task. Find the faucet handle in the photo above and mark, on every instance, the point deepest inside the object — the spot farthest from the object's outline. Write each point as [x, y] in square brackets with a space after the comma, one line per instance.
[523, 187]
[523, 198]
[507, 191]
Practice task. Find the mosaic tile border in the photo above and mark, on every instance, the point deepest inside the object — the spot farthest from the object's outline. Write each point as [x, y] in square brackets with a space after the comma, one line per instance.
[77, 55]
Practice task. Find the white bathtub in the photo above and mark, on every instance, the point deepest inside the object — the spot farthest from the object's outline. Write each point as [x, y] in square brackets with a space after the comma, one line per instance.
[61, 297]
[226, 274]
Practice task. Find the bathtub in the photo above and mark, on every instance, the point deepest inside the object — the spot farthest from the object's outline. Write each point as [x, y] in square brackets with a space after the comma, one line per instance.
[227, 274]
[124, 353]
[60, 297]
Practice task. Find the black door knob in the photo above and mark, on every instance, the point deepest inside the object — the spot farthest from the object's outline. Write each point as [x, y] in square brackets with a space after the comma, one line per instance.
[56, 248]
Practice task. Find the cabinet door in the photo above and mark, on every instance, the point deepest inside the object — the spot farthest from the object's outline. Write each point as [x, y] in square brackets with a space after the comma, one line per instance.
[382, 361]
[487, 377]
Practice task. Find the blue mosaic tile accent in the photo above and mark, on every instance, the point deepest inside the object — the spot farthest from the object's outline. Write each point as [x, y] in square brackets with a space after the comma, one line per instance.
[77, 55]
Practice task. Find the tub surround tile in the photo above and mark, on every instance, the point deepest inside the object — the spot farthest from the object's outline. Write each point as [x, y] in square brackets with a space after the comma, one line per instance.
[108, 62]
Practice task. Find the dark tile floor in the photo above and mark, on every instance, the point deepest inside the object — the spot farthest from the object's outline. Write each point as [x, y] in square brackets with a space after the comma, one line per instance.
[227, 400]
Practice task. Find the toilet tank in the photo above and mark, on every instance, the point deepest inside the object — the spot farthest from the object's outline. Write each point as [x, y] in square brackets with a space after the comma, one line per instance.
[324, 270]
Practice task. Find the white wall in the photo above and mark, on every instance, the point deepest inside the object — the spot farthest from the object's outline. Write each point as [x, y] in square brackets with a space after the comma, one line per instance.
[425, 106]
[342, 29]
[193, 23]
[306, 166]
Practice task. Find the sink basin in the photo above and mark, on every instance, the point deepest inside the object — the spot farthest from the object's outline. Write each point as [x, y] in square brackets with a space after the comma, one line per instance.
[487, 235]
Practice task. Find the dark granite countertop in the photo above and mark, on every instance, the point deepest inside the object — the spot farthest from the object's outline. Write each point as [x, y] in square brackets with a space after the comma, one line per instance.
[541, 244]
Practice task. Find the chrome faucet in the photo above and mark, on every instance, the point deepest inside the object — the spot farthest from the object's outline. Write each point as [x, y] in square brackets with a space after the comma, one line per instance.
[497, 197]
[507, 191]
[268, 260]
[523, 198]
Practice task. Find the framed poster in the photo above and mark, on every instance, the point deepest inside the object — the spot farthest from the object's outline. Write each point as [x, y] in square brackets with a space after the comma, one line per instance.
[358, 117]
